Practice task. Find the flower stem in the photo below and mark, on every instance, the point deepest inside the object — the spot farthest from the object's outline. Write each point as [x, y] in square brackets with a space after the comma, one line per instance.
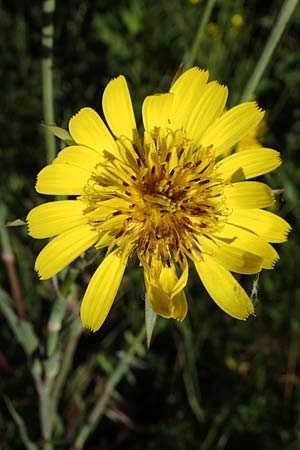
[75, 332]
[101, 404]
[284, 16]
[47, 74]
[202, 26]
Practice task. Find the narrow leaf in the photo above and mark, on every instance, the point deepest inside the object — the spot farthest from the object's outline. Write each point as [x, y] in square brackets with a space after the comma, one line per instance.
[22, 329]
[61, 133]
[21, 425]
[16, 223]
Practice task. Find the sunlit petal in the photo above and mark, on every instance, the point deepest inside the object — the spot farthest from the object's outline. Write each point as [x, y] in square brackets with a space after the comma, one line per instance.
[102, 290]
[117, 108]
[63, 249]
[54, 218]
[224, 289]
[88, 129]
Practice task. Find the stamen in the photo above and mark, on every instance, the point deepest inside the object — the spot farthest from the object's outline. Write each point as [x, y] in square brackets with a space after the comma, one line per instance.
[160, 212]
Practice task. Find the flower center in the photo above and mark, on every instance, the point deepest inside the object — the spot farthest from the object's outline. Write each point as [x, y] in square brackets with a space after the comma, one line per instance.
[156, 198]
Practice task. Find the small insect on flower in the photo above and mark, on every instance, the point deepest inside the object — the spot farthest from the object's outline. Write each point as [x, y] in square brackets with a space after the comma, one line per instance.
[169, 197]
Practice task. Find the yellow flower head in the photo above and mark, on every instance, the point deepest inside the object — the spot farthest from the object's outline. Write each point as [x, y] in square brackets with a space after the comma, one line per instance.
[212, 27]
[237, 21]
[167, 197]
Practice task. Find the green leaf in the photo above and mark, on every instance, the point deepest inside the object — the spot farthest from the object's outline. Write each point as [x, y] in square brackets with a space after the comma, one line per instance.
[150, 320]
[22, 329]
[61, 133]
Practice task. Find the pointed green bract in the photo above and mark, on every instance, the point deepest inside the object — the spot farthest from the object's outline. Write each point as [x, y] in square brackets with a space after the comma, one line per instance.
[150, 320]
[60, 133]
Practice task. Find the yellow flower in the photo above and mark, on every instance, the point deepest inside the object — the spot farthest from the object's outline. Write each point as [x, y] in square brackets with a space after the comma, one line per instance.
[237, 21]
[167, 197]
[212, 27]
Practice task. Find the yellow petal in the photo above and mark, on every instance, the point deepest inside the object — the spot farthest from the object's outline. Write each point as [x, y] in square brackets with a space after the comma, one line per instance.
[63, 249]
[88, 129]
[156, 111]
[266, 224]
[248, 194]
[249, 242]
[230, 257]
[80, 156]
[166, 306]
[62, 179]
[117, 108]
[208, 109]
[232, 126]
[187, 90]
[166, 294]
[224, 289]
[102, 290]
[249, 163]
[53, 218]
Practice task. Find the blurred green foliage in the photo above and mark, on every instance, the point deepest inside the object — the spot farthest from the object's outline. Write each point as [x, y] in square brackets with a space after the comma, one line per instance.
[210, 382]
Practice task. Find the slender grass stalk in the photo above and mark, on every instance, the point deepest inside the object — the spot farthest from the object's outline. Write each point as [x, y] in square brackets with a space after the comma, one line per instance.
[202, 26]
[101, 404]
[284, 16]
[47, 74]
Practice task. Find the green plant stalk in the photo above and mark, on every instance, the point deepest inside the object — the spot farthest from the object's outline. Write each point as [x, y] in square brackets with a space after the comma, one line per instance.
[43, 388]
[100, 406]
[198, 38]
[284, 16]
[56, 366]
[47, 74]
[54, 325]
[58, 312]
[70, 348]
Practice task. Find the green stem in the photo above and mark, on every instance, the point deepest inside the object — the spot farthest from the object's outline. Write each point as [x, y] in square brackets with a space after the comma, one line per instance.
[284, 16]
[54, 325]
[47, 74]
[198, 38]
[43, 388]
[70, 348]
[113, 381]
